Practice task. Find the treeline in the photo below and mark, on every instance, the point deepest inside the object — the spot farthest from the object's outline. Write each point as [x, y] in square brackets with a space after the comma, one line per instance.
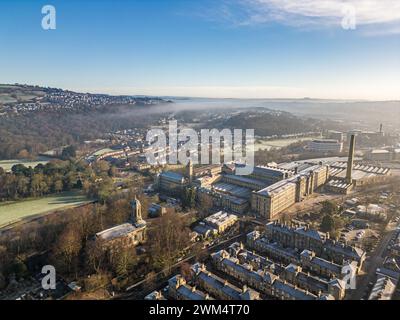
[65, 237]
[67, 241]
[39, 132]
[267, 124]
[289, 153]
[55, 177]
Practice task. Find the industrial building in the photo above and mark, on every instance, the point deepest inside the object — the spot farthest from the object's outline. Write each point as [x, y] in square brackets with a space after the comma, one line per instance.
[336, 135]
[325, 146]
[269, 190]
[390, 154]
[272, 200]
[171, 182]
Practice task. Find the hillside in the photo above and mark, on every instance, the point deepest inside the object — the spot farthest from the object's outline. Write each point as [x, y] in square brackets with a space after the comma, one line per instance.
[36, 119]
[265, 122]
[26, 99]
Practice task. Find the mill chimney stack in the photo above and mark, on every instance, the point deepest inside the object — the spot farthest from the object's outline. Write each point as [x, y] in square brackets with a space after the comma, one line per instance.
[350, 159]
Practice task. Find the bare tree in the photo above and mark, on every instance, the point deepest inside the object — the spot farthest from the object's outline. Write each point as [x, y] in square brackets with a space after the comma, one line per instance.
[122, 260]
[67, 248]
[95, 256]
[167, 238]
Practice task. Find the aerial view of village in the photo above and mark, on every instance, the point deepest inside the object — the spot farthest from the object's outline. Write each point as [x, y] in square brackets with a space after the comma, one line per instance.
[189, 174]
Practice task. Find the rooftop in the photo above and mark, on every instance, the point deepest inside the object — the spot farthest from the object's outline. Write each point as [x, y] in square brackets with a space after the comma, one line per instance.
[224, 286]
[232, 189]
[325, 141]
[383, 289]
[277, 188]
[116, 232]
[172, 175]
[220, 218]
[258, 183]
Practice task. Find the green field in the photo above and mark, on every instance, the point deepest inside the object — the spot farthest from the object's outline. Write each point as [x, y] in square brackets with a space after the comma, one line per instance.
[12, 212]
[4, 98]
[8, 164]
[102, 151]
[16, 93]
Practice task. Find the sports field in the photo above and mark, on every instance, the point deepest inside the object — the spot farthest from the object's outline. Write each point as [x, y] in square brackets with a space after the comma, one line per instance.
[12, 212]
[8, 164]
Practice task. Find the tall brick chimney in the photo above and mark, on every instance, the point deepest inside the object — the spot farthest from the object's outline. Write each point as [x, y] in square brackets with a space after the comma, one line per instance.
[351, 159]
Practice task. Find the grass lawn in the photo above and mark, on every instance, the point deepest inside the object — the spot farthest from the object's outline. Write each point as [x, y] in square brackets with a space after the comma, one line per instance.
[102, 151]
[8, 164]
[12, 212]
[4, 98]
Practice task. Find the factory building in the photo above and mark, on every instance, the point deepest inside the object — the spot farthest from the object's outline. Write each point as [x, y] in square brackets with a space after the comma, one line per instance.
[222, 201]
[336, 135]
[171, 182]
[174, 182]
[272, 200]
[269, 190]
[390, 154]
[325, 146]
[270, 175]
[346, 176]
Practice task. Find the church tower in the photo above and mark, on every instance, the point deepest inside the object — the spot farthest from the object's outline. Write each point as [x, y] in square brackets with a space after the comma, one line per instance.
[137, 219]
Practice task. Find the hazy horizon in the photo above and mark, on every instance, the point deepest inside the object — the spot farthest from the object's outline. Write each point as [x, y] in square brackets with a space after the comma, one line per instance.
[217, 49]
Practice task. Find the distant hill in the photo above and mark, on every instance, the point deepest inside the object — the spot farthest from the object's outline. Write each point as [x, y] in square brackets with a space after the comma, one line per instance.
[264, 121]
[20, 99]
[351, 113]
[12, 94]
[36, 119]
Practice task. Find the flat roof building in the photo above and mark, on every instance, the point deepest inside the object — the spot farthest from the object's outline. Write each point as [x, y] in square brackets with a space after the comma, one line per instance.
[325, 145]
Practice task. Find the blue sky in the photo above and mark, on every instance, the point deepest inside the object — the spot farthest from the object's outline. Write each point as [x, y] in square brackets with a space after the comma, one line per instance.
[236, 48]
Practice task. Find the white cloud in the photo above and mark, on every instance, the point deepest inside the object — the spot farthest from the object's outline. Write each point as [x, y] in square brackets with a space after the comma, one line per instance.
[378, 14]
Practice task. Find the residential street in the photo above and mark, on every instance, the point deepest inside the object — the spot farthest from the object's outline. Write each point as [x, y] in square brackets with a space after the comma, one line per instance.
[371, 264]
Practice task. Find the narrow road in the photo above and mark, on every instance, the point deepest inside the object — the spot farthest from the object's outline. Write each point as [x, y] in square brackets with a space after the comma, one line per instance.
[375, 261]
